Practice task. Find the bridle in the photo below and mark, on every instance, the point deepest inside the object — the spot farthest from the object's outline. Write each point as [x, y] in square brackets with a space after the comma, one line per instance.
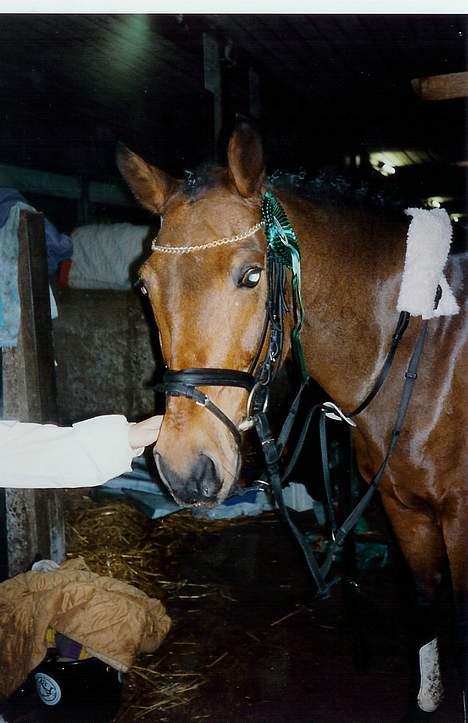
[282, 251]
[283, 255]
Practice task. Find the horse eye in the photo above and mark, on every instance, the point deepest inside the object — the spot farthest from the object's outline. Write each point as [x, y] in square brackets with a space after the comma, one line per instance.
[250, 278]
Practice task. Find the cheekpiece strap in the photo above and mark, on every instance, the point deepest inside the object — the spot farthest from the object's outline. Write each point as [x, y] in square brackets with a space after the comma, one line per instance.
[283, 246]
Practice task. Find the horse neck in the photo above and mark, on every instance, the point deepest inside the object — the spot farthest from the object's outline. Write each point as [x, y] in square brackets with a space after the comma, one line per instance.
[351, 270]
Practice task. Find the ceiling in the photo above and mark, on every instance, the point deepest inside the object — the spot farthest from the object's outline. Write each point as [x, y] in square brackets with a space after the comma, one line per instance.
[327, 89]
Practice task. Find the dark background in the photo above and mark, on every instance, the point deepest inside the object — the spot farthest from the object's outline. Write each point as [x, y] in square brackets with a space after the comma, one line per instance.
[327, 91]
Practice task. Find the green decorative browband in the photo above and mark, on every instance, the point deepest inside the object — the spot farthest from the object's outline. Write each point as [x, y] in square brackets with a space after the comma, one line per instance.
[282, 243]
[279, 233]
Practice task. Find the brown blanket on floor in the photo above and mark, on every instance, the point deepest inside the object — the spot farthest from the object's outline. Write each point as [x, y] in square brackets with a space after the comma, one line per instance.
[111, 619]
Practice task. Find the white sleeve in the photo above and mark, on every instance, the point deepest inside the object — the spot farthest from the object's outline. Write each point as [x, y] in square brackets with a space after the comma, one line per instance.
[42, 455]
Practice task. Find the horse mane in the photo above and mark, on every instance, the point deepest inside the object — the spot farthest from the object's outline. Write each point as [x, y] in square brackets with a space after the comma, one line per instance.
[336, 186]
[202, 178]
[330, 185]
[371, 192]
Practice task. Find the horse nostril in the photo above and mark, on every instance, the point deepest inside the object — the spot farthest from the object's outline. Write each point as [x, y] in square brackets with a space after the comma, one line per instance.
[207, 479]
[199, 485]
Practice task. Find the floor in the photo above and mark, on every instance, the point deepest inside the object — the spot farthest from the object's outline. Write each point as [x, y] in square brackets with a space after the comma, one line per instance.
[251, 643]
[271, 653]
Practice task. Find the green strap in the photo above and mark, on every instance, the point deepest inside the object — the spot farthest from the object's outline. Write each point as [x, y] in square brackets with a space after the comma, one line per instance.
[282, 243]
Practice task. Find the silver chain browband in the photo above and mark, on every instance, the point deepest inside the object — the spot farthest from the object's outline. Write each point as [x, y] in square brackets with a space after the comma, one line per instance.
[212, 244]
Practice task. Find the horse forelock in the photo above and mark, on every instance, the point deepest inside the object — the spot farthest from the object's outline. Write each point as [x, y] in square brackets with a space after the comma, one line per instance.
[201, 179]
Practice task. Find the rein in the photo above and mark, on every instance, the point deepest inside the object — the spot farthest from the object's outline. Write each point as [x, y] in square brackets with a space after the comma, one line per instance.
[283, 253]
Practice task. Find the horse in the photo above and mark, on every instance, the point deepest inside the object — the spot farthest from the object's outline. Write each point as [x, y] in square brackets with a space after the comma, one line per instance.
[207, 283]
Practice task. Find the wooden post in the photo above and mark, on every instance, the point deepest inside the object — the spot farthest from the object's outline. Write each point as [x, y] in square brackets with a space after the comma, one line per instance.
[35, 526]
[255, 103]
[442, 87]
[3, 518]
[213, 81]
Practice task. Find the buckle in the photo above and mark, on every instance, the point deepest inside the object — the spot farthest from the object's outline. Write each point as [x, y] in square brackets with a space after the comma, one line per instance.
[337, 414]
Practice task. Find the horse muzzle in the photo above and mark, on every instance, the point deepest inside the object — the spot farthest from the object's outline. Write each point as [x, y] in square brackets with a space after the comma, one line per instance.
[204, 483]
[200, 486]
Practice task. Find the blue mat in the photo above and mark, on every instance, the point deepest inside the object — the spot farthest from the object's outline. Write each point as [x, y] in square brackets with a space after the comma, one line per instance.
[141, 489]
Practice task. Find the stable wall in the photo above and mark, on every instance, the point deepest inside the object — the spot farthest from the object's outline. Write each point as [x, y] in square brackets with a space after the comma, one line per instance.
[104, 357]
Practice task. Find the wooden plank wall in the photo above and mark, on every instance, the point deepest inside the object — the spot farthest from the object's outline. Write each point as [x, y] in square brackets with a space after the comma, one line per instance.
[35, 527]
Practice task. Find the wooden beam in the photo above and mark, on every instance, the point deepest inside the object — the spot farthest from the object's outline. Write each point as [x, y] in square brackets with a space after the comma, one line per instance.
[35, 522]
[3, 537]
[442, 87]
[213, 80]
[31, 180]
[36, 324]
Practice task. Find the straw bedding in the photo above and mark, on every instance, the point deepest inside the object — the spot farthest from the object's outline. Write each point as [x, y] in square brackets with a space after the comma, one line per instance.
[118, 541]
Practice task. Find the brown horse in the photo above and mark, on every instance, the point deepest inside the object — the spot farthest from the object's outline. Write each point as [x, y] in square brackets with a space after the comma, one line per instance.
[209, 306]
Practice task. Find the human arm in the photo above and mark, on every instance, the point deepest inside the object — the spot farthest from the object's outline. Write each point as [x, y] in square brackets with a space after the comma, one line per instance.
[87, 454]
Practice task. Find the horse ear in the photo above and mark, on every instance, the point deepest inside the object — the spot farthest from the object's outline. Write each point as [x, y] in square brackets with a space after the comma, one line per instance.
[151, 187]
[246, 165]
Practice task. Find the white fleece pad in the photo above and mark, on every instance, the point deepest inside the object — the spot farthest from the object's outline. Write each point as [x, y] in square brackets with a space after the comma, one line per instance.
[428, 245]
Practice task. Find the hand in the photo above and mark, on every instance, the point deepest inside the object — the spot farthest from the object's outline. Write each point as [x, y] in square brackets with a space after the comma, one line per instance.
[144, 433]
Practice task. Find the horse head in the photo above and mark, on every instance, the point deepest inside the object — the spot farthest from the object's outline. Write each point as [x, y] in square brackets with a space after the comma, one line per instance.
[209, 304]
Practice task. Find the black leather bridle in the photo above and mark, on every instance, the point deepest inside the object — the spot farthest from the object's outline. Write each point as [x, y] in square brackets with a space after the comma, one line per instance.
[257, 381]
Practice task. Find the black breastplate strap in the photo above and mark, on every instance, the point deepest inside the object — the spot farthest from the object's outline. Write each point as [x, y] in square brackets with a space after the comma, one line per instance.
[401, 327]
[411, 375]
[272, 451]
